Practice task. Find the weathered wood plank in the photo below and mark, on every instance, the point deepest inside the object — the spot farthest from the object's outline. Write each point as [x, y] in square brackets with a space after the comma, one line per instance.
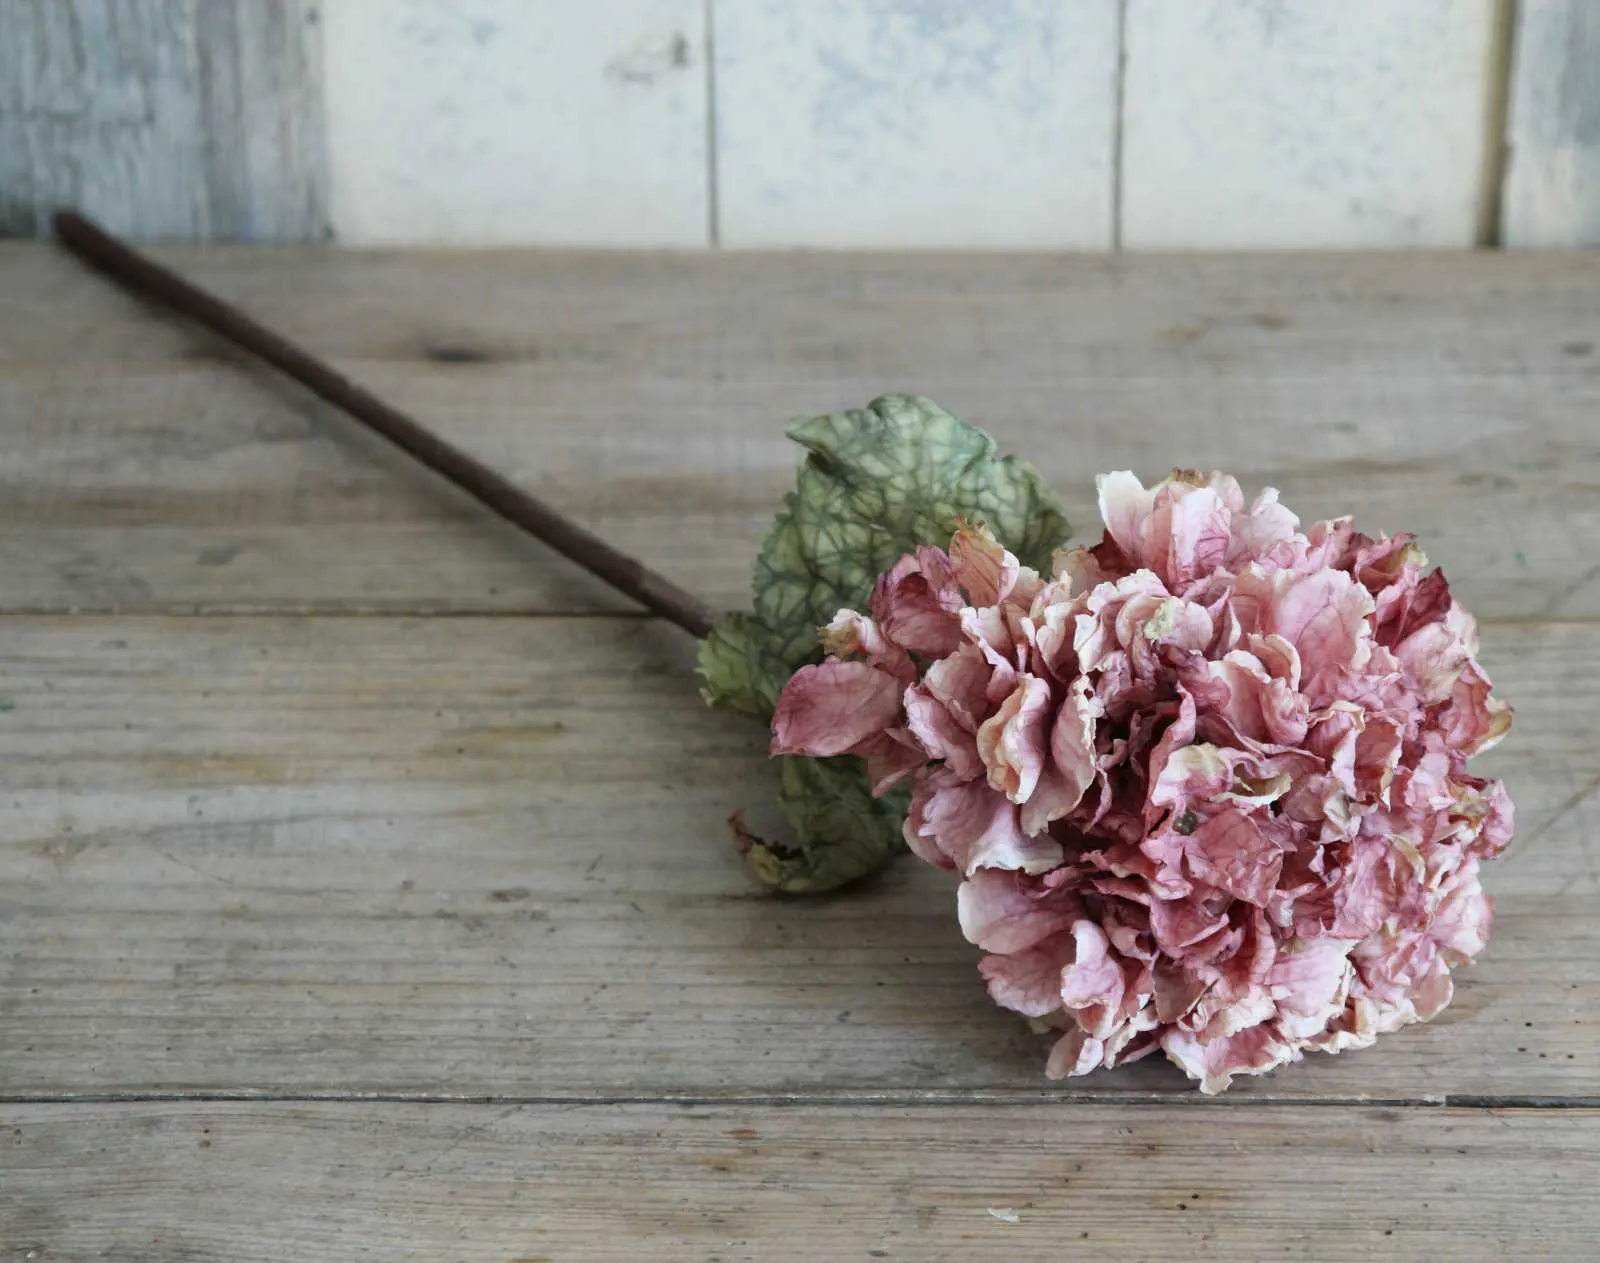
[487, 857]
[1305, 125]
[304, 1183]
[900, 123]
[1552, 191]
[140, 469]
[507, 122]
[169, 119]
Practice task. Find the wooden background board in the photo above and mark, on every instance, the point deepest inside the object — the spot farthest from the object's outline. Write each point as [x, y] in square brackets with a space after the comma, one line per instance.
[306, 1183]
[646, 394]
[487, 857]
[353, 828]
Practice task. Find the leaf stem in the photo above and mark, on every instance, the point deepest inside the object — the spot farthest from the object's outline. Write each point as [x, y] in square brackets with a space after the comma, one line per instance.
[91, 243]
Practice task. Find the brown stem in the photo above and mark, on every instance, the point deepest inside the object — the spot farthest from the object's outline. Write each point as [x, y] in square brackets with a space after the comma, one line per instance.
[100, 249]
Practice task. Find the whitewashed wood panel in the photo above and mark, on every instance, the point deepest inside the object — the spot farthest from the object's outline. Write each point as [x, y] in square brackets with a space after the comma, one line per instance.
[181, 119]
[908, 123]
[502, 121]
[1300, 123]
[210, 1182]
[1552, 195]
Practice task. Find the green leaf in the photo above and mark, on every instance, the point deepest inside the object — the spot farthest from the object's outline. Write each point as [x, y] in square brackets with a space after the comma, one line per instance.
[876, 482]
[842, 832]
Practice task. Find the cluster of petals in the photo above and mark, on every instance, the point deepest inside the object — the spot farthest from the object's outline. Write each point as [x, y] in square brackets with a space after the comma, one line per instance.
[1205, 785]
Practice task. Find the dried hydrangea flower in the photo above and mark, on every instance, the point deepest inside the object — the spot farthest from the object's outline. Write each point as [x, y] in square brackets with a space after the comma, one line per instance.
[1206, 785]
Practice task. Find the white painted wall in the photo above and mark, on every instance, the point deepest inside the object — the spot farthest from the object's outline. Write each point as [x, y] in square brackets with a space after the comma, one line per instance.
[915, 122]
[1305, 123]
[517, 121]
[1007, 124]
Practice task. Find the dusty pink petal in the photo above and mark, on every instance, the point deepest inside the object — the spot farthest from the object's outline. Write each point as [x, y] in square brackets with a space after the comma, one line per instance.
[1008, 912]
[1093, 983]
[1259, 706]
[1499, 822]
[1360, 901]
[1434, 656]
[1080, 570]
[1125, 506]
[1071, 767]
[917, 604]
[961, 683]
[990, 632]
[1196, 773]
[941, 733]
[1029, 981]
[1095, 636]
[1180, 924]
[1075, 1053]
[851, 633]
[1231, 853]
[1309, 985]
[1177, 991]
[1378, 747]
[1012, 742]
[891, 756]
[977, 828]
[1464, 916]
[830, 708]
[1322, 613]
[1193, 537]
[1252, 1051]
[1257, 534]
[1055, 624]
[984, 569]
[1474, 720]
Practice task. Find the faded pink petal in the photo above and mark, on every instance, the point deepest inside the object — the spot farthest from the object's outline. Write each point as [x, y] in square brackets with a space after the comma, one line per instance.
[1071, 767]
[1007, 912]
[1075, 1053]
[985, 570]
[918, 604]
[1254, 1050]
[938, 728]
[1093, 983]
[1029, 981]
[1230, 852]
[1012, 742]
[833, 707]
[961, 683]
[976, 827]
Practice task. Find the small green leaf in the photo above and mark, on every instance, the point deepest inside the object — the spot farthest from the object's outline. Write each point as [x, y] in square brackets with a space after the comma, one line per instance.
[740, 672]
[876, 482]
[841, 832]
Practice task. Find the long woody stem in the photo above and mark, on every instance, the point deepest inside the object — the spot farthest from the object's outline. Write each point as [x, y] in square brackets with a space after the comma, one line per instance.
[121, 263]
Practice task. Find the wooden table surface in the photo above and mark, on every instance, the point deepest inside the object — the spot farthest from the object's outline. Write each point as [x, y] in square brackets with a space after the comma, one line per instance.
[364, 883]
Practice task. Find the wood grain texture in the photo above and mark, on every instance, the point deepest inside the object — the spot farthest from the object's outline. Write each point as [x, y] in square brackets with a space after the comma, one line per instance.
[304, 1183]
[174, 119]
[142, 469]
[1552, 192]
[1305, 125]
[487, 858]
[506, 122]
[903, 123]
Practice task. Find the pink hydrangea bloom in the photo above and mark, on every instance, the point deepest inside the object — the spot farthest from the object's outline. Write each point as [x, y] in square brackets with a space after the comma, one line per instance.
[1206, 786]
